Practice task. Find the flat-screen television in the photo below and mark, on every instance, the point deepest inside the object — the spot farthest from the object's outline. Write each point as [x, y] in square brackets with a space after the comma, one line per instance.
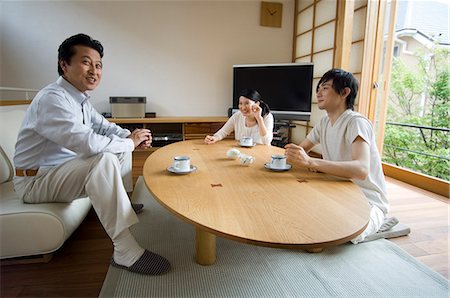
[286, 88]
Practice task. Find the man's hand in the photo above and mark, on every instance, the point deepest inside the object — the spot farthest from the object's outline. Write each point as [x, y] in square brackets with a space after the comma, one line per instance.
[297, 155]
[141, 137]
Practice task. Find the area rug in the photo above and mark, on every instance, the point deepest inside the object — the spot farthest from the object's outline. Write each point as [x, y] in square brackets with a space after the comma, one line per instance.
[374, 269]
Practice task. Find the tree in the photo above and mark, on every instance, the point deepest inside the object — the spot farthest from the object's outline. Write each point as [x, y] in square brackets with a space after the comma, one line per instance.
[420, 96]
[407, 87]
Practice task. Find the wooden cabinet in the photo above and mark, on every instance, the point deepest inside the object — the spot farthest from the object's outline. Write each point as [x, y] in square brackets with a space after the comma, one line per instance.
[167, 130]
[196, 130]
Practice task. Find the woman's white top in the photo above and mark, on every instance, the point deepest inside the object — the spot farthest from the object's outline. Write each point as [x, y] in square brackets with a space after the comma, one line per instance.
[236, 123]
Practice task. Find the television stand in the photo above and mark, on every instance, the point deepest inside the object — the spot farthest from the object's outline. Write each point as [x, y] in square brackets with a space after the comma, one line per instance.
[281, 133]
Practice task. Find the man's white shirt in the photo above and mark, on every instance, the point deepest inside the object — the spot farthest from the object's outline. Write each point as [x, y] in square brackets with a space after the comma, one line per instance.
[61, 124]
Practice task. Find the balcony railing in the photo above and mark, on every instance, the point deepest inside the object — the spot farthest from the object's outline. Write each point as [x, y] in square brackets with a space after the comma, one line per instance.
[424, 141]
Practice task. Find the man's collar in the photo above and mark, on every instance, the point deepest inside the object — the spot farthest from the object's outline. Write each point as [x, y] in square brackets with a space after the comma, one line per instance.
[79, 96]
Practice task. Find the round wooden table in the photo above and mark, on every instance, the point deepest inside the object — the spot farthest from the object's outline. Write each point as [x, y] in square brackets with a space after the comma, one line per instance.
[291, 209]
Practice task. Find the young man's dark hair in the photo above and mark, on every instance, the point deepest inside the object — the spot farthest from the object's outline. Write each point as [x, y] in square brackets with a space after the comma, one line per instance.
[342, 79]
[66, 49]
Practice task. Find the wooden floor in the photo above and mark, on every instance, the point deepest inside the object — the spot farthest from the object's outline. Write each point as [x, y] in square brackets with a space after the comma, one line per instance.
[76, 270]
[427, 215]
[79, 267]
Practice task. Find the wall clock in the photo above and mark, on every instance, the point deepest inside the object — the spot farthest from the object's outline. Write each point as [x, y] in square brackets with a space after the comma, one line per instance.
[271, 14]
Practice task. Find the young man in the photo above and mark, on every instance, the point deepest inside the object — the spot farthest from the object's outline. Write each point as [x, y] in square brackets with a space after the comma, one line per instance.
[348, 146]
[66, 150]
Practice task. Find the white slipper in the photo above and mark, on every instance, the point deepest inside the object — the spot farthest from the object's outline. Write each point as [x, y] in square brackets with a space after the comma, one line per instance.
[389, 223]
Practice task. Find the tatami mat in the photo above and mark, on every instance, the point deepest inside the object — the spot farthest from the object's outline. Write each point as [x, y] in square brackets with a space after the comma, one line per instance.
[373, 269]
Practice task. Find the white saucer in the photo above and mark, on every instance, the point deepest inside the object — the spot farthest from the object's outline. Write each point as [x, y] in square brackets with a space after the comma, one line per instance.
[172, 170]
[247, 146]
[287, 168]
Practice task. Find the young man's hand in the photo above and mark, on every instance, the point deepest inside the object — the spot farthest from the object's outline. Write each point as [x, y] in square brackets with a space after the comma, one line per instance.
[297, 155]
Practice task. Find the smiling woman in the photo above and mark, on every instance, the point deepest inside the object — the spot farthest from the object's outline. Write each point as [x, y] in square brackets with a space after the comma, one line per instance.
[252, 120]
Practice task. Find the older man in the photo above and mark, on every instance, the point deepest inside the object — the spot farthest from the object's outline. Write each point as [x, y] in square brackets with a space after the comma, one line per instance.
[66, 150]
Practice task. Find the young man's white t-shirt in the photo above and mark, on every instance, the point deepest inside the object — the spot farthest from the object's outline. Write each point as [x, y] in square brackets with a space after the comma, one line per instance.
[336, 144]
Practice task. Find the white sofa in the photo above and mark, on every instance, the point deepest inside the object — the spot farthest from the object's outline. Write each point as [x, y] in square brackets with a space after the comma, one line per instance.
[30, 229]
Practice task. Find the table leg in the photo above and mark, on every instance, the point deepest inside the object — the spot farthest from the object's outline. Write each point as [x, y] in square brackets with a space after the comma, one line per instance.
[205, 247]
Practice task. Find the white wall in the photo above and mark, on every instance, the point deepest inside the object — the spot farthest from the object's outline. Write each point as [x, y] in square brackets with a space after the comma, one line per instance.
[177, 53]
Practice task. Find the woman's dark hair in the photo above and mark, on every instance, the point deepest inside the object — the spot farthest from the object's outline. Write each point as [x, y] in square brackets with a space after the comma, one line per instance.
[256, 97]
[66, 50]
[342, 79]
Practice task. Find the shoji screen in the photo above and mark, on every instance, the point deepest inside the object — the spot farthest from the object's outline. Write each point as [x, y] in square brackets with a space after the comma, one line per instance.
[321, 27]
[314, 42]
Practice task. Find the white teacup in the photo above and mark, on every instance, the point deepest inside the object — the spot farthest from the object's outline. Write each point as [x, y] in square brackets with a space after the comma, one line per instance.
[246, 160]
[181, 163]
[233, 153]
[278, 162]
[246, 141]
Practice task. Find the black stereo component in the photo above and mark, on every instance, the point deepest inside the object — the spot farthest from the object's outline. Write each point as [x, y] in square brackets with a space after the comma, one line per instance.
[159, 140]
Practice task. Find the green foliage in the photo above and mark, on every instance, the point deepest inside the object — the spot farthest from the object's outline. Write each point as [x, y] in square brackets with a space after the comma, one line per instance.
[406, 86]
[420, 96]
[441, 105]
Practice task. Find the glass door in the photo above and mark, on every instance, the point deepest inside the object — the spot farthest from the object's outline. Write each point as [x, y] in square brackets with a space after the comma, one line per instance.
[410, 103]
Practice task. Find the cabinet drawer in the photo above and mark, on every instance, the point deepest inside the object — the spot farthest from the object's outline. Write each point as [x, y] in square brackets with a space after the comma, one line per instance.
[139, 158]
[194, 136]
[202, 128]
